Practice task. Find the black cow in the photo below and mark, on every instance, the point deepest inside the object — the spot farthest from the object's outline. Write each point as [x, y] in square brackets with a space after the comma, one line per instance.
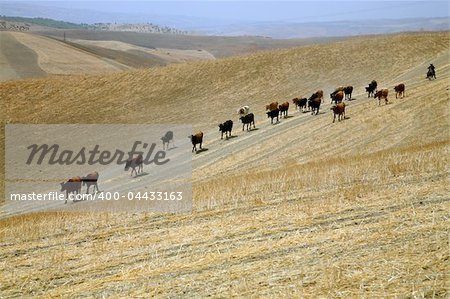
[167, 138]
[133, 163]
[300, 103]
[314, 104]
[72, 185]
[89, 180]
[372, 88]
[272, 114]
[348, 90]
[248, 120]
[226, 128]
[196, 139]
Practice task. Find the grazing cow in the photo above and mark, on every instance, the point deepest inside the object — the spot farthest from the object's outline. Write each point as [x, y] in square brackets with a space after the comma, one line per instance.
[372, 88]
[348, 92]
[399, 90]
[248, 120]
[133, 163]
[284, 109]
[300, 103]
[272, 106]
[272, 114]
[167, 138]
[243, 111]
[339, 110]
[337, 97]
[196, 139]
[383, 93]
[89, 180]
[72, 185]
[226, 128]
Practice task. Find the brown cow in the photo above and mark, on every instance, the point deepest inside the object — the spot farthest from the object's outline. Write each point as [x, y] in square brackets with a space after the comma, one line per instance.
[196, 139]
[72, 185]
[284, 109]
[272, 106]
[89, 180]
[339, 110]
[399, 90]
[338, 89]
[337, 97]
[317, 95]
[382, 93]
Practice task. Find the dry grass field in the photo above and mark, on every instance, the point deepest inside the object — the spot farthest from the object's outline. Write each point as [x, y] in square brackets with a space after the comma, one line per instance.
[303, 208]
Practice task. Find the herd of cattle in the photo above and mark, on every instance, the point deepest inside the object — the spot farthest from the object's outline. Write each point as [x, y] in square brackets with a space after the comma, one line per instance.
[273, 111]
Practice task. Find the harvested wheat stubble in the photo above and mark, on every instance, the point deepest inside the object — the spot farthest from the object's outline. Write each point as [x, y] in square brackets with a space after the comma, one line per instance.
[352, 209]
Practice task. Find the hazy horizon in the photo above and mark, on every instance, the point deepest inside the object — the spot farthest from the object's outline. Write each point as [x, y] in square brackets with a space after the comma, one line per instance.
[227, 11]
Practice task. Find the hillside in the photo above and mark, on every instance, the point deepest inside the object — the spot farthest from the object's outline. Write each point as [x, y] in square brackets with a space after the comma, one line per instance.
[304, 208]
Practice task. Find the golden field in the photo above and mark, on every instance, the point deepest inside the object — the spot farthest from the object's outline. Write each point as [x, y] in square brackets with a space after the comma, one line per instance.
[304, 208]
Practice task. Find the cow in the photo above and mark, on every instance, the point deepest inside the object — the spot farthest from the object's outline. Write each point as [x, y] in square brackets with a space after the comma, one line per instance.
[272, 106]
[431, 72]
[226, 128]
[348, 90]
[399, 90]
[337, 97]
[300, 103]
[248, 120]
[89, 180]
[317, 95]
[196, 139]
[339, 110]
[314, 101]
[272, 114]
[284, 108]
[383, 93]
[243, 111]
[133, 163]
[72, 185]
[338, 89]
[372, 88]
[166, 139]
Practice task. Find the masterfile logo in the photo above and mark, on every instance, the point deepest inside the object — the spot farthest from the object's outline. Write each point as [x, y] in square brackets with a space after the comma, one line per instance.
[80, 167]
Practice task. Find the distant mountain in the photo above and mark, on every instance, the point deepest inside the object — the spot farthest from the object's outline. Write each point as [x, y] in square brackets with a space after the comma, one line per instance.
[328, 29]
[206, 26]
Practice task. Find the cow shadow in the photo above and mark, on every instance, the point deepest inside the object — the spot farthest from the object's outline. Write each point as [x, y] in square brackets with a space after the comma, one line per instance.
[201, 150]
[141, 174]
[230, 137]
[252, 129]
[347, 117]
[289, 116]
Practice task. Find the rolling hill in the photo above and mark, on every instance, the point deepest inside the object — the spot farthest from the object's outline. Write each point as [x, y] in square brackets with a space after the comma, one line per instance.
[46, 52]
[303, 208]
